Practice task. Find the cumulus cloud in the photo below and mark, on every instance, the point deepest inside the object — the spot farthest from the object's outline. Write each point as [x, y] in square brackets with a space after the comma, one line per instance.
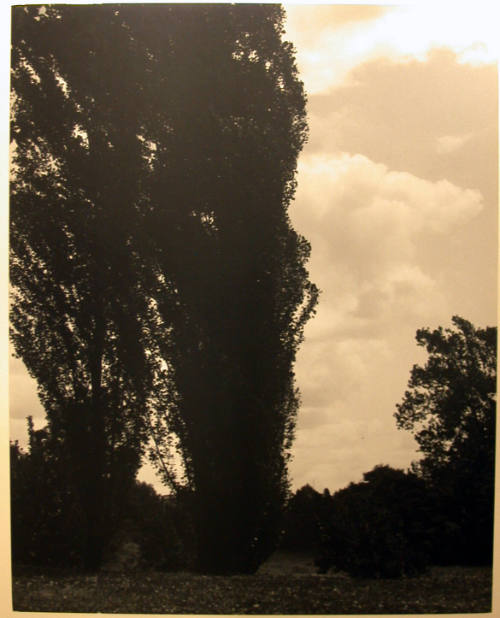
[323, 36]
[405, 204]
[407, 115]
[361, 214]
[332, 39]
[370, 228]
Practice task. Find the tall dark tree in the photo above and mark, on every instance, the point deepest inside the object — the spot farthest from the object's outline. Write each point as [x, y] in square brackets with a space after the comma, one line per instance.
[77, 300]
[233, 292]
[152, 252]
[450, 406]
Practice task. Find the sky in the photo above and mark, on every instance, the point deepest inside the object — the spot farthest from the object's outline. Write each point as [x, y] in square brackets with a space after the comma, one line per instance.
[397, 194]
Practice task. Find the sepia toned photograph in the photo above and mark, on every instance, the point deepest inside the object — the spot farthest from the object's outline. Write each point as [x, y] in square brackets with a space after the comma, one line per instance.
[253, 308]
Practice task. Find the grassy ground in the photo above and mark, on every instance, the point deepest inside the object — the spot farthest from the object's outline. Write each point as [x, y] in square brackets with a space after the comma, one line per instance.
[285, 585]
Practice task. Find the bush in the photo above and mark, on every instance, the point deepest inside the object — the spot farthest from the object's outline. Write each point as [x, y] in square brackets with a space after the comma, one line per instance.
[146, 530]
[378, 528]
[302, 520]
[157, 524]
[45, 515]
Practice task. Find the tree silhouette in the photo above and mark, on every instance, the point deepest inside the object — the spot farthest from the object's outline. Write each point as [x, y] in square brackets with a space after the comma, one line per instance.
[378, 528]
[78, 302]
[46, 526]
[152, 257]
[233, 293]
[450, 406]
[304, 519]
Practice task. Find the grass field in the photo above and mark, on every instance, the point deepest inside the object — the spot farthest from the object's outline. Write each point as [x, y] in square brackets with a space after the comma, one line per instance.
[287, 584]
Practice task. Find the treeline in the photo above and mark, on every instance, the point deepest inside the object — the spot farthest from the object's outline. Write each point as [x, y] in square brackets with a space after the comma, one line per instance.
[441, 511]
[390, 524]
[145, 530]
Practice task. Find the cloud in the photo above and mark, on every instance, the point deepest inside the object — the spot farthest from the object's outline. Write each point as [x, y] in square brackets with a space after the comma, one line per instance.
[348, 447]
[405, 114]
[447, 144]
[361, 215]
[322, 36]
[370, 228]
[332, 39]
[395, 200]
[305, 19]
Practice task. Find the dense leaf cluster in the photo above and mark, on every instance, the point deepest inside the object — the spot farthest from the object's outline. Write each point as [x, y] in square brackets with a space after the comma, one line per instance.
[376, 528]
[450, 401]
[379, 527]
[46, 526]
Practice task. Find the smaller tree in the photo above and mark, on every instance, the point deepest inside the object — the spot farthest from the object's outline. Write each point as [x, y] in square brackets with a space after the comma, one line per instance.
[302, 522]
[79, 306]
[46, 516]
[450, 408]
[377, 528]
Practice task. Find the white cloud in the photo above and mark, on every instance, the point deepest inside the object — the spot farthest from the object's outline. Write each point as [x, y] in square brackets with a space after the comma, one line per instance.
[399, 32]
[369, 227]
[360, 214]
[447, 144]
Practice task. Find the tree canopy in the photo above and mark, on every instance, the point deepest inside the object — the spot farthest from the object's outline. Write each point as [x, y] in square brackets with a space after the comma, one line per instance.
[157, 281]
[450, 407]
[450, 404]
[233, 294]
[78, 302]
[377, 528]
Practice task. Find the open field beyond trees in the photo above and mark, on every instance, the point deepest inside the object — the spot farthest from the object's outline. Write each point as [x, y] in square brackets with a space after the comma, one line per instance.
[286, 584]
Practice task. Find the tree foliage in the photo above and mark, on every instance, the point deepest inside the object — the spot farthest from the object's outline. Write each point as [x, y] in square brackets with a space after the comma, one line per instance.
[450, 406]
[78, 301]
[156, 527]
[304, 520]
[153, 263]
[233, 293]
[379, 527]
[46, 521]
